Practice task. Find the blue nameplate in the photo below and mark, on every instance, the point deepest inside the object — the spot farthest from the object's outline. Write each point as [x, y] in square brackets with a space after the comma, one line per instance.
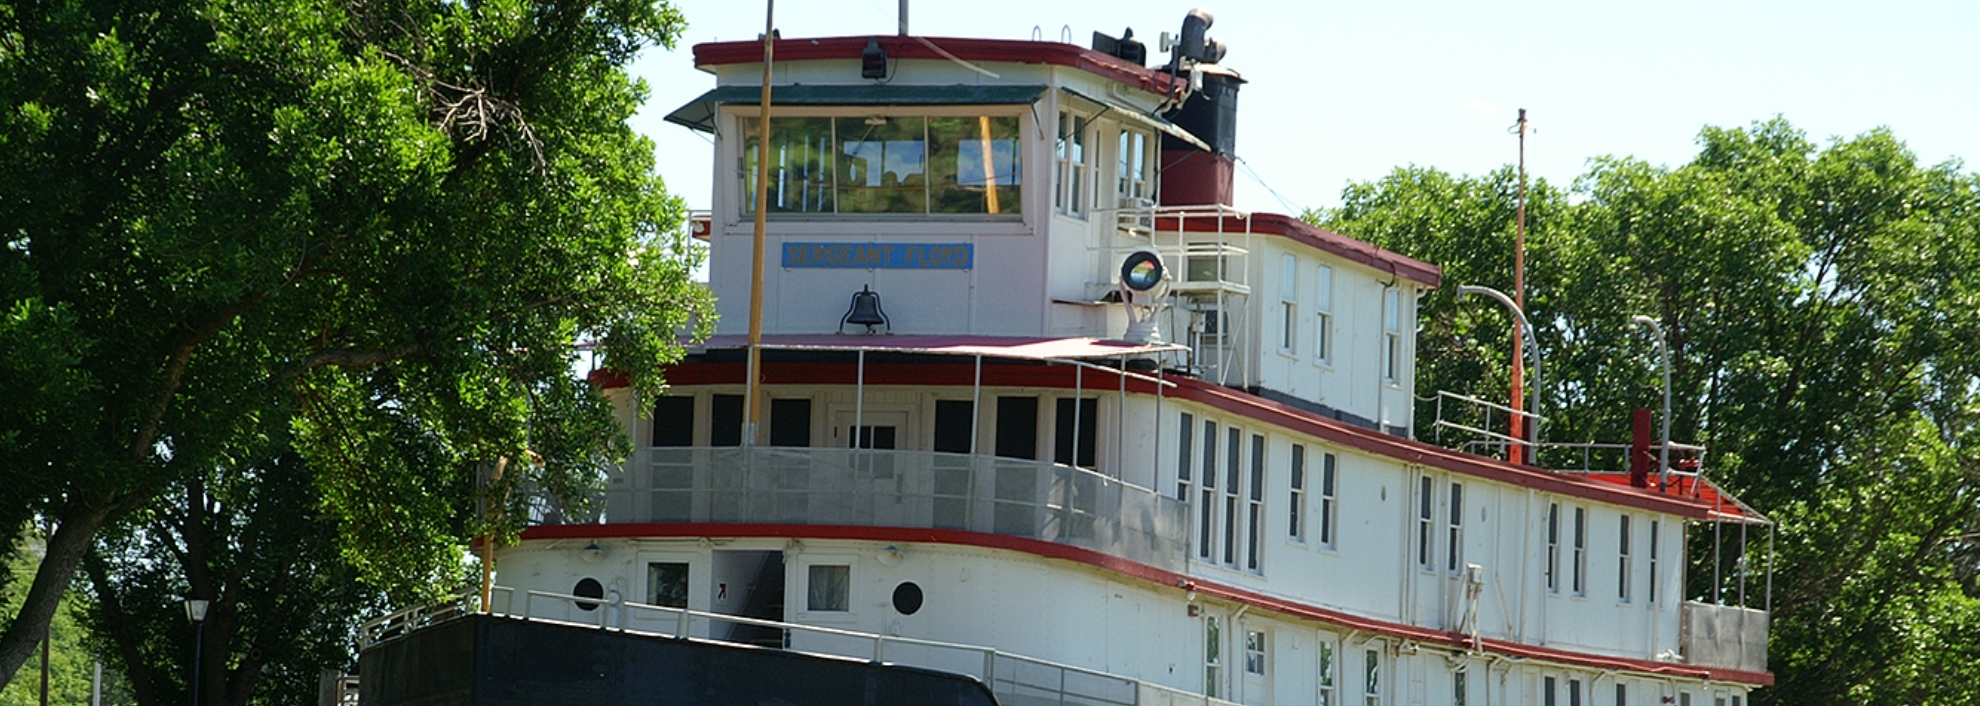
[893, 256]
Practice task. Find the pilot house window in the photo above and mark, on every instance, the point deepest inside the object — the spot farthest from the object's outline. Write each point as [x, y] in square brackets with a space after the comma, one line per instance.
[897, 164]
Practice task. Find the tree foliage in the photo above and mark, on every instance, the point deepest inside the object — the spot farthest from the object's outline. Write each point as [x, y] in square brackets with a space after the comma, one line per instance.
[368, 231]
[1821, 305]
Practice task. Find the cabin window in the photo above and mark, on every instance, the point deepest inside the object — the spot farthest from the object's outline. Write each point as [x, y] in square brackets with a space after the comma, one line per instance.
[1622, 561]
[1424, 522]
[1460, 688]
[899, 164]
[1255, 510]
[828, 587]
[1254, 652]
[725, 420]
[1622, 695]
[1554, 547]
[1184, 456]
[1392, 335]
[1574, 692]
[1206, 520]
[667, 584]
[1213, 657]
[1372, 679]
[1580, 551]
[1547, 691]
[955, 426]
[1297, 501]
[1323, 315]
[1075, 433]
[1325, 656]
[1017, 427]
[1684, 698]
[1289, 304]
[1135, 170]
[1075, 159]
[1456, 530]
[1328, 513]
[790, 422]
[1233, 470]
[1650, 596]
[673, 421]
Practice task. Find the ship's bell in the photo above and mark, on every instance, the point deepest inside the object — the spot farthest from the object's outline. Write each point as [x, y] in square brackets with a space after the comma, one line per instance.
[865, 311]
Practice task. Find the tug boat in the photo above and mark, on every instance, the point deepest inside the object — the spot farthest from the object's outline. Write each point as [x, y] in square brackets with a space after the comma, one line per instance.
[1043, 418]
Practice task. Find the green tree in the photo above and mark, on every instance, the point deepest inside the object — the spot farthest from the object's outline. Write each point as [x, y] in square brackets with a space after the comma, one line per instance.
[380, 224]
[73, 650]
[1821, 306]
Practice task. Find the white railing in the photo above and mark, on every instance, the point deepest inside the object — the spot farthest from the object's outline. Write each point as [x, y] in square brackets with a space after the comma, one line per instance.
[1015, 679]
[918, 489]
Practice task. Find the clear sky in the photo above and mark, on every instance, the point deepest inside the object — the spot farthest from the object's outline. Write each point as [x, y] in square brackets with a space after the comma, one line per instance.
[1346, 92]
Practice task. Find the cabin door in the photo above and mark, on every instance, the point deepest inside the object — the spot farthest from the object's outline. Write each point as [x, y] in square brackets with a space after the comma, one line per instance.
[668, 580]
[891, 488]
[748, 584]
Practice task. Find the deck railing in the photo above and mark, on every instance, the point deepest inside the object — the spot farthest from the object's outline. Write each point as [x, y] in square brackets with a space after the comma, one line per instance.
[1725, 636]
[917, 489]
[1016, 680]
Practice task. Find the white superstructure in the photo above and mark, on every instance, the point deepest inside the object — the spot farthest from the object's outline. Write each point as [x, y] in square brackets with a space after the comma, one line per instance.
[1238, 514]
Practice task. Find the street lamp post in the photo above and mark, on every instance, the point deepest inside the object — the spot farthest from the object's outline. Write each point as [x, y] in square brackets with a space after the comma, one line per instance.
[1663, 452]
[196, 612]
[1533, 349]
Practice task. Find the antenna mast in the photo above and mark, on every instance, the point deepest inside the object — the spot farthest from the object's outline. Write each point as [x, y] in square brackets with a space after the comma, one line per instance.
[1520, 426]
[753, 385]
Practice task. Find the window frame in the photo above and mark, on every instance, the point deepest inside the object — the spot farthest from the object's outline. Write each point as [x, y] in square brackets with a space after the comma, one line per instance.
[1580, 551]
[1455, 530]
[1622, 560]
[1254, 535]
[1074, 154]
[1329, 500]
[1130, 183]
[1323, 314]
[1394, 366]
[1011, 209]
[1426, 522]
[1553, 530]
[1296, 495]
[1289, 304]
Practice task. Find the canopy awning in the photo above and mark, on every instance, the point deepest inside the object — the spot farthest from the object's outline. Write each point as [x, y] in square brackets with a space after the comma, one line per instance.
[699, 114]
[1044, 349]
[1130, 114]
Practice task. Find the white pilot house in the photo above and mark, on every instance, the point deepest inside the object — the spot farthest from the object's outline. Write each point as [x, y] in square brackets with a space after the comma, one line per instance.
[1042, 410]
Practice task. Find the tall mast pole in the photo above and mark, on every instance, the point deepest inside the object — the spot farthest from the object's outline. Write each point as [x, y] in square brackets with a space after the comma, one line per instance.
[1520, 426]
[753, 386]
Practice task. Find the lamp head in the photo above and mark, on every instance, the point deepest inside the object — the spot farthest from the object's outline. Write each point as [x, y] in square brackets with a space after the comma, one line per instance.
[196, 609]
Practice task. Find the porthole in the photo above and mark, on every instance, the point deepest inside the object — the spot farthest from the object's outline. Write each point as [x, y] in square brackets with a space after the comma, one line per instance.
[588, 588]
[907, 598]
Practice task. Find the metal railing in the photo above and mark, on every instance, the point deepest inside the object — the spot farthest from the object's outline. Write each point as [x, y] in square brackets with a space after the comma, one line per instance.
[1014, 679]
[1724, 636]
[918, 489]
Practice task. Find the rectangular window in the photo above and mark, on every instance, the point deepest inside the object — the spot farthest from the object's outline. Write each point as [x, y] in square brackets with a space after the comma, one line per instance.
[1684, 699]
[1425, 520]
[1135, 151]
[1255, 510]
[1075, 436]
[1460, 689]
[790, 422]
[1289, 304]
[1547, 691]
[1017, 427]
[1455, 551]
[1622, 695]
[1574, 692]
[1581, 551]
[1297, 499]
[1185, 456]
[1622, 561]
[1372, 680]
[828, 587]
[955, 420]
[1075, 159]
[1327, 509]
[903, 164]
[1233, 470]
[1323, 315]
[1554, 547]
[1392, 335]
[1207, 502]
[1650, 596]
[725, 420]
[1213, 657]
[1254, 652]
[673, 421]
[667, 584]
[1325, 656]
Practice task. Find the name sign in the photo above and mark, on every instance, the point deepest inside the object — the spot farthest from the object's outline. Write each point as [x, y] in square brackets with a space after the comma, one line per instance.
[893, 256]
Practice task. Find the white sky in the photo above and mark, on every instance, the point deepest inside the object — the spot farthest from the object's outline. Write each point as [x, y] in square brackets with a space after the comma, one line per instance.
[1346, 92]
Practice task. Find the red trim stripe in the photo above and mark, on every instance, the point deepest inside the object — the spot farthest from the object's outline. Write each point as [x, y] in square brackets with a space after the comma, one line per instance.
[1143, 572]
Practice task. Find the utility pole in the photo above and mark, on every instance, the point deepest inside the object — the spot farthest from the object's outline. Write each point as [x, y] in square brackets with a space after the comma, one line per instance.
[1521, 453]
[753, 386]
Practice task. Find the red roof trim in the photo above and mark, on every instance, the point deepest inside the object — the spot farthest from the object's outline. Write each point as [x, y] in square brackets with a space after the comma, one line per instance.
[1316, 237]
[1213, 395]
[1161, 577]
[973, 50]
